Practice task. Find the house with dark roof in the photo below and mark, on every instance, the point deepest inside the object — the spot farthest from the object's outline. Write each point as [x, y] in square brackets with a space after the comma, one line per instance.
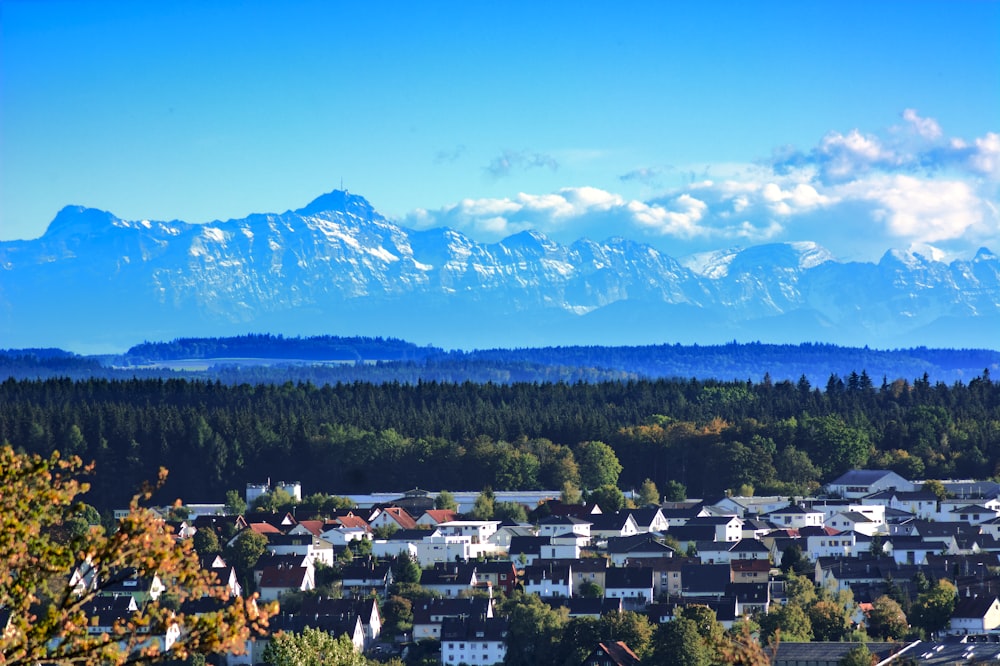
[525, 550]
[971, 489]
[583, 607]
[429, 614]
[853, 521]
[679, 513]
[858, 483]
[507, 531]
[547, 579]
[828, 542]
[565, 528]
[336, 625]
[796, 516]
[644, 546]
[649, 519]
[366, 609]
[585, 570]
[363, 578]
[128, 582]
[308, 545]
[975, 615]
[973, 514]
[414, 501]
[666, 573]
[723, 552]
[819, 653]
[912, 549]
[843, 572]
[556, 507]
[473, 641]
[922, 503]
[633, 585]
[751, 598]
[500, 574]
[277, 580]
[724, 607]
[705, 580]
[612, 525]
[747, 506]
[450, 579]
[724, 528]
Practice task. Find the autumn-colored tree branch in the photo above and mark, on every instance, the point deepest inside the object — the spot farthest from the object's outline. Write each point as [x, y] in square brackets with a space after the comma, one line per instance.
[48, 610]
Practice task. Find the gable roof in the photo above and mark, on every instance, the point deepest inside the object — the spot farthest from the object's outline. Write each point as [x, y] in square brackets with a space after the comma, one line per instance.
[401, 517]
[973, 607]
[440, 515]
[578, 606]
[425, 609]
[638, 542]
[628, 577]
[617, 652]
[861, 477]
[283, 576]
[491, 629]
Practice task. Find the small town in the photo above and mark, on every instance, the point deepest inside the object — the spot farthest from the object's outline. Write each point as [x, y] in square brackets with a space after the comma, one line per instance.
[414, 575]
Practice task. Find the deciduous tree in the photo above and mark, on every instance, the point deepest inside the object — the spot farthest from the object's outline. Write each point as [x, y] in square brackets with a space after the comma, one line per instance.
[312, 647]
[599, 466]
[48, 618]
[648, 493]
[886, 619]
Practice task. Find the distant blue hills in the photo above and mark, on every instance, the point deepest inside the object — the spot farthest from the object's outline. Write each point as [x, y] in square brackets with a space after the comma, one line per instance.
[264, 358]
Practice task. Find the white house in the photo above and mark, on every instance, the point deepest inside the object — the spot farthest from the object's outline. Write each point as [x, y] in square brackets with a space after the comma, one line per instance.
[565, 529]
[975, 615]
[478, 531]
[473, 641]
[857, 483]
[796, 516]
[311, 547]
[629, 584]
[548, 580]
[438, 548]
[853, 521]
[828, 542]
[744, 507]
[921, 503]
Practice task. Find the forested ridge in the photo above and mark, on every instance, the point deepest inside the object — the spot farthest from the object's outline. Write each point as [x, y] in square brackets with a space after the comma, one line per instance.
[783, 437]
[263, 358]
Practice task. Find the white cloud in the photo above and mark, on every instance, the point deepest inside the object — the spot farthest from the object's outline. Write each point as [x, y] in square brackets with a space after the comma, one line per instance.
[985, 159]
[919, 210]
[857, 193]
[927, 128]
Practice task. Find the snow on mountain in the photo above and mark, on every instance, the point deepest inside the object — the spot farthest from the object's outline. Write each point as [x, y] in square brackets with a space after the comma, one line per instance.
[337, 266]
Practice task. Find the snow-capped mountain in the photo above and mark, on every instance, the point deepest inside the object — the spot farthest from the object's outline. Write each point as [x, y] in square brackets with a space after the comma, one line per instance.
[336, 266]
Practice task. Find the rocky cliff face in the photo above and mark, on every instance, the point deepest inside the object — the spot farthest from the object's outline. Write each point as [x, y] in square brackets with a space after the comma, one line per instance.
[337, 266]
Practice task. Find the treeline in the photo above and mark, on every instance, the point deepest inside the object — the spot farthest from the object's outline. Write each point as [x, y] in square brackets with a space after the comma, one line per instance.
[317, 348]
[330, 359]
[710, 436]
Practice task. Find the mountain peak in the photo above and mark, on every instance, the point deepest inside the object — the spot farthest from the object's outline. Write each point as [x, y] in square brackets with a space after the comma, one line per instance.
[80, 221]
[338, 201]
[984, 254]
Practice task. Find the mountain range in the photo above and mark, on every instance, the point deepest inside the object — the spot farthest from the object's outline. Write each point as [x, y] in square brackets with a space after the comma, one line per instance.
[94, 281]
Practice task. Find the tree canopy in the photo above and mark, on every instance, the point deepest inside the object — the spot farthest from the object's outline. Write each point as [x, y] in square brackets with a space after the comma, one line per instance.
[49, 607]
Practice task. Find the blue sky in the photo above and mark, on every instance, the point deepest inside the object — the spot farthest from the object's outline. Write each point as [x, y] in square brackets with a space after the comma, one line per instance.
[691, 126]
